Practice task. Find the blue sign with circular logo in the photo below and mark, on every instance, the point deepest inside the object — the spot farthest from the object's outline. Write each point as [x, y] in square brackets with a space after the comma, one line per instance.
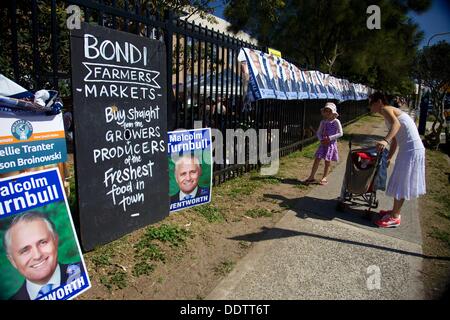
[22, 129]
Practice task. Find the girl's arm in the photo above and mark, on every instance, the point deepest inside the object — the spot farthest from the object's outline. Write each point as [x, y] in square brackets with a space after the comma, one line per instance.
[319, 131]
[339, 134]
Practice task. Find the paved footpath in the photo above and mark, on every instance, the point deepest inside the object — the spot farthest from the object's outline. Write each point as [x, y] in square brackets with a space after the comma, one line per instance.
[316, 252]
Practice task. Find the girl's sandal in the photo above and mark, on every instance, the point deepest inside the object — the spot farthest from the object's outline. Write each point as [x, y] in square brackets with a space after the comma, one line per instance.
[323, 182]
[307, 181]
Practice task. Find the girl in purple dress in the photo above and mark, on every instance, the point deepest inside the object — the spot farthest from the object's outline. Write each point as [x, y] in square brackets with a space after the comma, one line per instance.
[329, 131]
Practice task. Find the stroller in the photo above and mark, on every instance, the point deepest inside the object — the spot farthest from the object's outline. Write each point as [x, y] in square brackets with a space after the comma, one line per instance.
[16, 99]
[358, 188]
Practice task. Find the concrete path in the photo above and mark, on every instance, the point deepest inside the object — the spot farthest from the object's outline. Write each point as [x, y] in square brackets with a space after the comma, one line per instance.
[316, 252]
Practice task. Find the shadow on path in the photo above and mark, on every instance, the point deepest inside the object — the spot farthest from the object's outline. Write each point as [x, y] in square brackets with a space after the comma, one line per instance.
[278, 233]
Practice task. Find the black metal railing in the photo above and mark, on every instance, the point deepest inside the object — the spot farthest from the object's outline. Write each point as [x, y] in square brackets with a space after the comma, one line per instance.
[204, 78]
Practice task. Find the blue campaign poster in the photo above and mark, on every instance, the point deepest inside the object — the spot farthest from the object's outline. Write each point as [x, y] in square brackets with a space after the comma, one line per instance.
[190, 168]
[259, 82]
[41, 258]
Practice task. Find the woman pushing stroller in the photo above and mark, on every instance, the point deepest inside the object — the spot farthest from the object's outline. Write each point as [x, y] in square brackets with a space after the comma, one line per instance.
[407, 180]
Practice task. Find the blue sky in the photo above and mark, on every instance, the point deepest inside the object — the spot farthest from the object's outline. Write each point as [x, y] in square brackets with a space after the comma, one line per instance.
[435, 20]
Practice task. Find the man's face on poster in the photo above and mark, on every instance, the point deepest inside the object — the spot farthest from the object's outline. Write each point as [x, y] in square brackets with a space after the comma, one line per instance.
[33, 250]
[273, 67]
[297, 72]
[256, 62]
[187, 174]
[287, 72]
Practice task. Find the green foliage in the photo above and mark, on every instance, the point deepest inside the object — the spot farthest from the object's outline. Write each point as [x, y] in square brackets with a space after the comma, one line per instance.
[224, 268]
[332, 36]
[116, 279]
[143, 268]
[433, 69]
[258, 213]
[210, 213]
[309, 151]
[172, 234]
[441, 235]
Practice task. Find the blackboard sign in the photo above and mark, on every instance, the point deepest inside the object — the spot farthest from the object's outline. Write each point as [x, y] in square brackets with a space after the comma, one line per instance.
[120, 126]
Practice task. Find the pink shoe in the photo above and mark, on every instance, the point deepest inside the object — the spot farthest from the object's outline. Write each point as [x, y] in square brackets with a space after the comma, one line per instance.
[388, 222]
[382, 213]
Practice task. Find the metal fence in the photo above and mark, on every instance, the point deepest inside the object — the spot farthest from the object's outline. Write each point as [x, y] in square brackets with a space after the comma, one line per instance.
[204, 78]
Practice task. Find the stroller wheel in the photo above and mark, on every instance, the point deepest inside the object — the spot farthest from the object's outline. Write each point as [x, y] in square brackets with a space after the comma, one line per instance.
[375, 204]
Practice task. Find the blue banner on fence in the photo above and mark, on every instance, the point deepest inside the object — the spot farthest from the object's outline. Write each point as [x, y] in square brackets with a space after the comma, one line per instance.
[267, 76]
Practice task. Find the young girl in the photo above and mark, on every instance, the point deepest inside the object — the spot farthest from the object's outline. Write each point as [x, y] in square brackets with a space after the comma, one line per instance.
[329, 131]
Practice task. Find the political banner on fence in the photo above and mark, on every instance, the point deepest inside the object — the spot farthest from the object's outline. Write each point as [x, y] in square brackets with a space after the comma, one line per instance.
[120, 117]
[272, 77]
[333, 82]
[325, 81]
[302, 87]
[30, 140]
[287, 74]
[320, 88]
[190, 168]
[259, 81]
[273, 64]
[312, 90]
[40, 258]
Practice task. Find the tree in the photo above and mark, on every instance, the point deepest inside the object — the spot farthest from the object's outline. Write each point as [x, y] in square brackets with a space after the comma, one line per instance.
[433, 69]
[332, 36]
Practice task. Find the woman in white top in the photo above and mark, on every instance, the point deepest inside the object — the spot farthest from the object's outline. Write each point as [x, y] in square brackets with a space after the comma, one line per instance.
[407, 180]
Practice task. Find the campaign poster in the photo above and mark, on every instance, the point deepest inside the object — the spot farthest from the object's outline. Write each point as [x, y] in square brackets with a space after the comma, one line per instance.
[312, 90]
[290, 85]
[340, 83]
[119, 89]
[30, 140]
[274, 71]
[320, 89]
[299, 83]
[259, 80]
[333, 83]
[40, 257]
[325, 81]
[190, 168]
[346, 90]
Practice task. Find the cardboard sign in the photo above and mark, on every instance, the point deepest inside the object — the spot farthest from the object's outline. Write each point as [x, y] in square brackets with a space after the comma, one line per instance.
[29, 140]
[40, 258]
[190, 168]
[120, 118]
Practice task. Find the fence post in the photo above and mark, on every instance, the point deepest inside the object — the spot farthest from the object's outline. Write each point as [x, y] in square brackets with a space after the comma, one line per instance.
[168, 40]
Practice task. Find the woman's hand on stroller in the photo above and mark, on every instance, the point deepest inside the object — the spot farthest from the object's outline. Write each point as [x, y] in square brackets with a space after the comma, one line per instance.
[381, 145]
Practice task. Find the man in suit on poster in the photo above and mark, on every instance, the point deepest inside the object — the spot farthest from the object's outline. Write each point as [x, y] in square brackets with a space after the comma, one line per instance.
[187, 175]
[31, 245]
[260, 74]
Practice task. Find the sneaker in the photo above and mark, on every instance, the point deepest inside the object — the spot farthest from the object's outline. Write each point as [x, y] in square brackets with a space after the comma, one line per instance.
[388, 222]
[382, 213]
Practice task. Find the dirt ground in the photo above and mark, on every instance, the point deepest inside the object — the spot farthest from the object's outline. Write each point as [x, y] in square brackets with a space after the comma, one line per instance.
[188, 253]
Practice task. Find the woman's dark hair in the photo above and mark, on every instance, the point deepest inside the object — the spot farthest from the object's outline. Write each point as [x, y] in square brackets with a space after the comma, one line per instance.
[378, 96]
